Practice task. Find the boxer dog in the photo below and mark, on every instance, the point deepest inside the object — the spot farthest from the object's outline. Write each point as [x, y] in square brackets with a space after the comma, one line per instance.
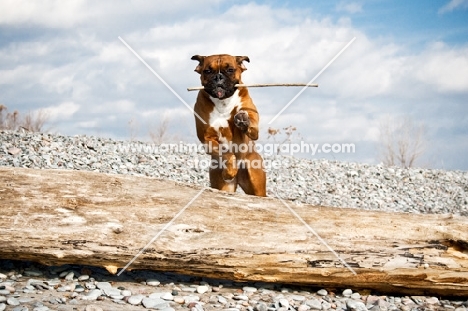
[230, 125]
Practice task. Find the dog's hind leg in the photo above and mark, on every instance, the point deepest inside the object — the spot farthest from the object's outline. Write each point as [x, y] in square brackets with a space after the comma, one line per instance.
[251, 175]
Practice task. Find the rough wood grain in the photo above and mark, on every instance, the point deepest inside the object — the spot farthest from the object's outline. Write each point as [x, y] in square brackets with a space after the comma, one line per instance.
[57, 217]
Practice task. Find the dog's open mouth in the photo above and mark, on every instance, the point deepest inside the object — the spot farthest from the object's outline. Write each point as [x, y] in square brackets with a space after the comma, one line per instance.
[220, 92]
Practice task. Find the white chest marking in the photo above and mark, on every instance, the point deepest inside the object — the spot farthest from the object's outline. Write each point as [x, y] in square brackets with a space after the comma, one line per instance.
[222, 110]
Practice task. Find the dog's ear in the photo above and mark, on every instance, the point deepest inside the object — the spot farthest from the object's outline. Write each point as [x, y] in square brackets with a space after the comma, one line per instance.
[200, 62]
[240, 59]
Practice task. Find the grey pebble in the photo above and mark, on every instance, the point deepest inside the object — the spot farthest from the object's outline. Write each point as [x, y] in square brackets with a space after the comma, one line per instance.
[202, 289]
[322, 292]
[152, 282]
[261, 306]
[249, 289]
[70, 276]
[103, 285]
[110, 291]
[41, 308]
[347, 292]
[135, 300]
[314, 304]
[156, 303]
[297, 297]
[284, 302]
[354, 305]
[2, 306]
[93, 294]
[34, 273]
[12, 301]
[189, 299]
[126, 293]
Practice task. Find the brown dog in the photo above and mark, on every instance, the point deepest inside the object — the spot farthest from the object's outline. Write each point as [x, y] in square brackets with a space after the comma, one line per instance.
[230, 125]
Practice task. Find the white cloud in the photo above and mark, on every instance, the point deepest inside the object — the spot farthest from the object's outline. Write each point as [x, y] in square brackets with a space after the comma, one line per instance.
[443, 68]
[453, 5]
[350, 7]
[72, 13]
[60, 112]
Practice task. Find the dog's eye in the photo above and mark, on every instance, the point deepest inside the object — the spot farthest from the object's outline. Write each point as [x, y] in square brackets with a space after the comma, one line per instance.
[207, 71]
[230, 70]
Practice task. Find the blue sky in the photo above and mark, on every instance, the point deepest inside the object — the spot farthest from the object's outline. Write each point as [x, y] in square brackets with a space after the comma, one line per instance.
[409, 59]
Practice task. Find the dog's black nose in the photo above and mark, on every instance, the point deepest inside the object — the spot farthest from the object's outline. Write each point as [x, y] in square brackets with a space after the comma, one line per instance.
[219, 78]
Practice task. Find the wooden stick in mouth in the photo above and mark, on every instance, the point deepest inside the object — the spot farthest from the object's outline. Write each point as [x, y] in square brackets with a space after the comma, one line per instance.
[196, 88]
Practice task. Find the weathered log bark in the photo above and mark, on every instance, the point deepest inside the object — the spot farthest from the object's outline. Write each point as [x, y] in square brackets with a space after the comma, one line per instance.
[57, 217]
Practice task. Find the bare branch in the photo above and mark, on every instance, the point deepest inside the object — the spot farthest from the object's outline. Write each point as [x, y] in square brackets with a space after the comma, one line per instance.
[402, 142]
[196, 88]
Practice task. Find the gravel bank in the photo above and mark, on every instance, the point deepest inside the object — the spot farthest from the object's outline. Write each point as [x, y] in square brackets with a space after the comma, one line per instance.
[26, 286]
[318, 182]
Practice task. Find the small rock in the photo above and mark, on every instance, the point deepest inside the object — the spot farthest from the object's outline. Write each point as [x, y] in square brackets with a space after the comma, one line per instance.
[261, 306]
[284, 302]
[347, 292]
[202, 289]
[12, 301]
[2, 306]
[189, 299]
[83, 277]
[297, 297]
[126, 293]
[249, 289]
[103, 285]
[79, 289]
[93, 308]
[179, 300]
[355, 296]
[70, 276]
[157, 303]
[2, 276]
[14, 151]
[303, 308]
[93, 294]
[25, 299]
[135, 300]
[167, 296]
[41, 308]
[432, 300]
[152, 282]
[111, 291]
[354, 305]
[314, 304]
[322, 292]
[241, 297]
[33, 273]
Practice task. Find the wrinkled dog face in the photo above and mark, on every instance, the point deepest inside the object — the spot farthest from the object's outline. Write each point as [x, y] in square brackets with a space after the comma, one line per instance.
[219, 73]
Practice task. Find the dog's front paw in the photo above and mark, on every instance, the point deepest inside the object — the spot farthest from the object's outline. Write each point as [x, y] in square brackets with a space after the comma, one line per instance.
[241, 120]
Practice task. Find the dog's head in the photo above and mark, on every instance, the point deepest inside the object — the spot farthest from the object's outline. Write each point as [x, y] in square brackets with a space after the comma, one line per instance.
[219, 73]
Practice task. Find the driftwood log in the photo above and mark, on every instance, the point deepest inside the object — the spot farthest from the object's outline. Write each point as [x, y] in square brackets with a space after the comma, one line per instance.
[73, 217]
